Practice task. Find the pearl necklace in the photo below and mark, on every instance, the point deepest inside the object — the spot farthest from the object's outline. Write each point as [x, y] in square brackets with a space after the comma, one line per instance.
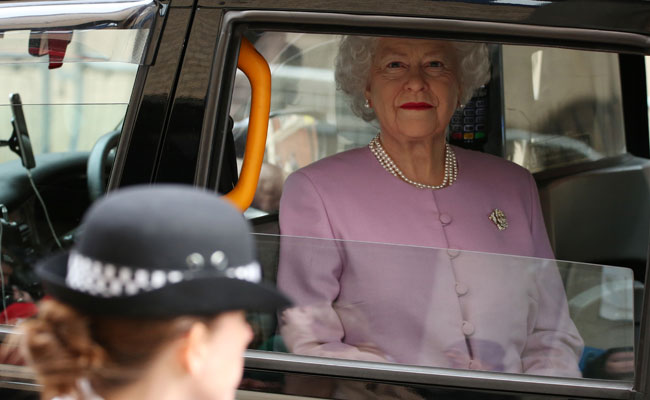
[451, 167]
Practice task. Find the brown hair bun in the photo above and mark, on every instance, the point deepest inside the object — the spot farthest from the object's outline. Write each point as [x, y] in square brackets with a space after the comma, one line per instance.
[58, 346]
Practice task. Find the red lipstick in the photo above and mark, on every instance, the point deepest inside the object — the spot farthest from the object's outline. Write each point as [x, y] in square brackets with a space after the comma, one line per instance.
[416, 106]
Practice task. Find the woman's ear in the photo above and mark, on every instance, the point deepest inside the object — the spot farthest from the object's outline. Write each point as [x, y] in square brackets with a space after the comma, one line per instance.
[459, 95]
[367, 94]
[194, 351]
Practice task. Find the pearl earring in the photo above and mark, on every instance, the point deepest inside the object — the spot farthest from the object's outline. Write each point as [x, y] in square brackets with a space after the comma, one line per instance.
[366, 104]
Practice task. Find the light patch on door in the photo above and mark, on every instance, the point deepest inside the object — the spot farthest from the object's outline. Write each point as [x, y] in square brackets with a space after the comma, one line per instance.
[536, 62]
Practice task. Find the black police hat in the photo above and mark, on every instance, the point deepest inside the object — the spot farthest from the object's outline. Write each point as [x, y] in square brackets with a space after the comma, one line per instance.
[161, 251]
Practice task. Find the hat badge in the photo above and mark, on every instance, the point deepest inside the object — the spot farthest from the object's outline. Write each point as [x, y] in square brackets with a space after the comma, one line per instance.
[219, 260]
[195, 261]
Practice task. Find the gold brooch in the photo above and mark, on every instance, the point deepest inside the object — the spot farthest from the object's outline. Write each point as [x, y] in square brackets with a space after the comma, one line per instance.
[499, 219]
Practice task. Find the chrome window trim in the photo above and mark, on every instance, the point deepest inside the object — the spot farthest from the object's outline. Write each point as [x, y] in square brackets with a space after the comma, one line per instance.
[17, 377]
[31, 387]
[5, 330]
[17, 372]
[467, 379]
[215, 95]
[23, 378]
[78, 14]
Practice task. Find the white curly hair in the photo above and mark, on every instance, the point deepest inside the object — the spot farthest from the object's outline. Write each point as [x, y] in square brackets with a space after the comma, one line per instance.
[355, 58]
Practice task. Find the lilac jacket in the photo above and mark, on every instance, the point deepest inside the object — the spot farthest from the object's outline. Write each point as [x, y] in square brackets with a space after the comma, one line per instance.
[439, 302]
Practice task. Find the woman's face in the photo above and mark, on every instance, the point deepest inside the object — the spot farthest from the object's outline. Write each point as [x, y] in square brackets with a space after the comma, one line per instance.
[229, 337]
[413, 87]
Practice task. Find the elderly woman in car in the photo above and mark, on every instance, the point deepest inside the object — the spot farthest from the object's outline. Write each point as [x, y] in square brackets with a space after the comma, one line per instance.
[421, 305]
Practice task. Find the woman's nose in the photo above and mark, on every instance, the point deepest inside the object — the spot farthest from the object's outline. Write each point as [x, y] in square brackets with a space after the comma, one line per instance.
[415, 79]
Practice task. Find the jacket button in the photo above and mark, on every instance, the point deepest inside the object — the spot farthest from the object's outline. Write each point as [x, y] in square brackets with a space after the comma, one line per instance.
[453, 253]
[461, 288]
[445, 219]
[468, 328]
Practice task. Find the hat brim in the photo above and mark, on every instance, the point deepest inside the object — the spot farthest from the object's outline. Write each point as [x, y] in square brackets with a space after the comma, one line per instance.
[201, 296]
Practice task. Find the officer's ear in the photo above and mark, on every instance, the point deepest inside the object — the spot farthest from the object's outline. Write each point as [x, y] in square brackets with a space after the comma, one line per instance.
[194, 350]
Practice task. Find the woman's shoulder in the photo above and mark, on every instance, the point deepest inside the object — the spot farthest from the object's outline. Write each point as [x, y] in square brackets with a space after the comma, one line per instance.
[488, 165]
[349, 161]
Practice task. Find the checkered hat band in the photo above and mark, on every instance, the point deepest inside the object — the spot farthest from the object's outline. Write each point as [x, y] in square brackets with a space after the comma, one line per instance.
[108, 280]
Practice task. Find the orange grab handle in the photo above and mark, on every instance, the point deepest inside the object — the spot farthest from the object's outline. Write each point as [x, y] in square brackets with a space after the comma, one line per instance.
[258, 73]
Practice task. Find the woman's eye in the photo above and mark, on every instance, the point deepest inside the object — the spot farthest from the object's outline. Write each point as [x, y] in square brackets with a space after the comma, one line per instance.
[394, 64]
[434, 64]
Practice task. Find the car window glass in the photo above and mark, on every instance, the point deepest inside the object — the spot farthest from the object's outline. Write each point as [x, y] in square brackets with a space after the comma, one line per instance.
[80, 31]
[465, 310]
[72, 64]
[311, 120]
[64, 91]
[66, 112]
[68, 108]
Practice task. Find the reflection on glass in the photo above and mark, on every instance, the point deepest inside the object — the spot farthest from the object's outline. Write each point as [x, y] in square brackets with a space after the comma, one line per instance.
[66, 46]
[435, 307]
[602, 304]
[562, 106]
[310, 119]
[68, 108]
[81, 83]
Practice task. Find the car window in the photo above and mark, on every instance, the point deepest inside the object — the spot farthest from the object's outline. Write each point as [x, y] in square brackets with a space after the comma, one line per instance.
[67, 73]
[451, 309]
[547, 109]
[72, 74]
